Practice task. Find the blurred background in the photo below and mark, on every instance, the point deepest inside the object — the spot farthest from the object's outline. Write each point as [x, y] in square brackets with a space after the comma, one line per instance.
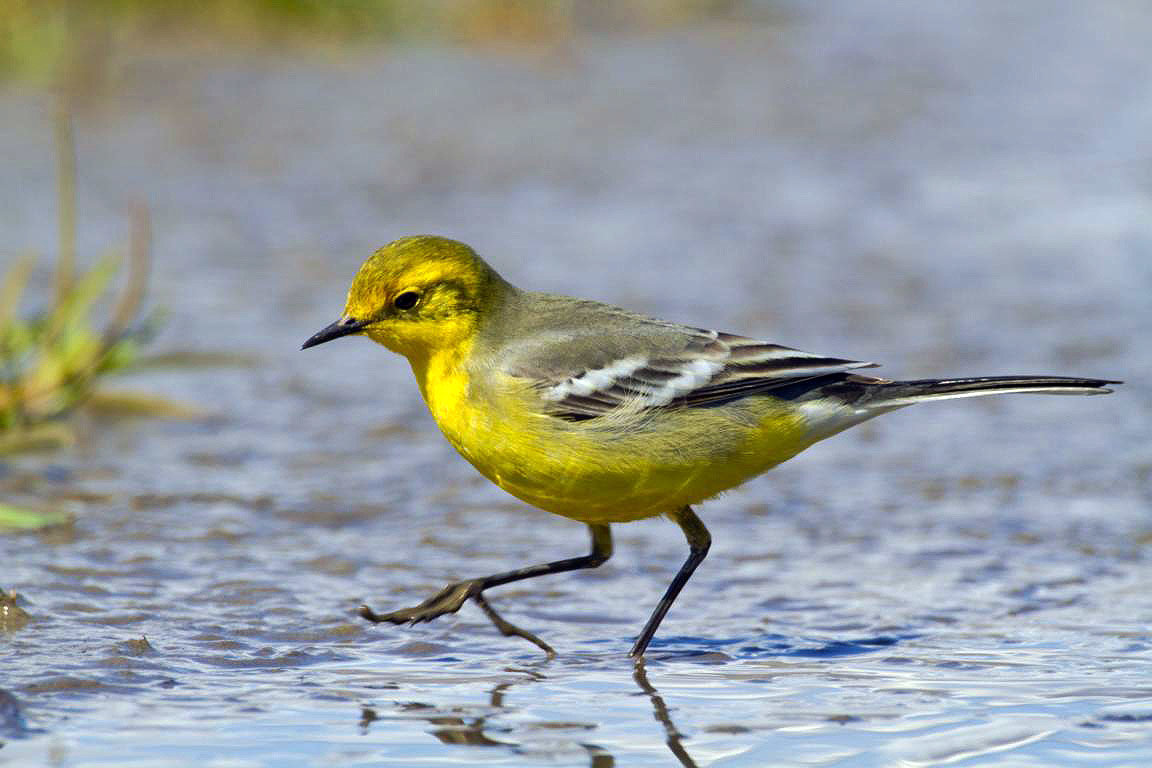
[191, 509]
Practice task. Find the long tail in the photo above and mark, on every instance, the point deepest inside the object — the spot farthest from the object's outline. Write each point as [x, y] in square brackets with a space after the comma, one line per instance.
[837, 401]
[895, 394]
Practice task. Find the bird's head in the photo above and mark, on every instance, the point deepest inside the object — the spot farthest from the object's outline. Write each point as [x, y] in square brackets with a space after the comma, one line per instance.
[416, 295]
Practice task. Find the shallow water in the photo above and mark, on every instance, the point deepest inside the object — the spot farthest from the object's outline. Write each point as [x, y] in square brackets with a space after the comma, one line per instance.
[946, 192]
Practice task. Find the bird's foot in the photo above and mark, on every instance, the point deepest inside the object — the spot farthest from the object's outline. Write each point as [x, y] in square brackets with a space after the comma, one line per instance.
[508, 629]
[447, 600]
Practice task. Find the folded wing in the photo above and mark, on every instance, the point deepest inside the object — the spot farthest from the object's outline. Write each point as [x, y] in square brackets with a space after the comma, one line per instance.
[671, 367]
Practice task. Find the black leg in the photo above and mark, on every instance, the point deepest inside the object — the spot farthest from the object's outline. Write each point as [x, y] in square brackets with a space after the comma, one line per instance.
[507, 628]
[449, 599]
[699, 540]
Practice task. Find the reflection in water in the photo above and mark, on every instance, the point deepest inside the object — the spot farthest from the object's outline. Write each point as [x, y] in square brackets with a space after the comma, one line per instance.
[11, 716]
[673, 736]
[450, 727]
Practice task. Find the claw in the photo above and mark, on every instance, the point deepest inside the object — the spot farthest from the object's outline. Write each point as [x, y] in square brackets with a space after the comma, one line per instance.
[448, 600]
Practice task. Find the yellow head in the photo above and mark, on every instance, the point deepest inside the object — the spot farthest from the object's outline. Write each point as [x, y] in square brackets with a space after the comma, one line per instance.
[416, 295]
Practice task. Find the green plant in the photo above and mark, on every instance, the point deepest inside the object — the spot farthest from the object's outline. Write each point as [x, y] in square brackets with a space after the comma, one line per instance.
[51, 360]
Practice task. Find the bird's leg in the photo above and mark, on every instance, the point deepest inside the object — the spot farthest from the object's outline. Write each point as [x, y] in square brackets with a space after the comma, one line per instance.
[699, 540]
[449, 599]
[507, 628]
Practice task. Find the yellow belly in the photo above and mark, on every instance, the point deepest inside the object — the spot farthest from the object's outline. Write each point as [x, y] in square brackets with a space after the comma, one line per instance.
[611, 472]
[587, 476]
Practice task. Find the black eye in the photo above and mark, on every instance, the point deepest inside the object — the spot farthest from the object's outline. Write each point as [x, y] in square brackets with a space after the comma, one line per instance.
[406, 300]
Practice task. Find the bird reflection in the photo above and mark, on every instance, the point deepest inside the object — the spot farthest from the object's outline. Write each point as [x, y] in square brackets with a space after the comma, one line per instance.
[450, 729]
[673, 737]
[476, 731]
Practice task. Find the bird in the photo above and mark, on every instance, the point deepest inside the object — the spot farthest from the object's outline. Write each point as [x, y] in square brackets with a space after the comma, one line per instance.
[602, 415]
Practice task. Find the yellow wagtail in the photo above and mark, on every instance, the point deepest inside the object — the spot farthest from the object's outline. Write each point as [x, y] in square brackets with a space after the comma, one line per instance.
[605, 416]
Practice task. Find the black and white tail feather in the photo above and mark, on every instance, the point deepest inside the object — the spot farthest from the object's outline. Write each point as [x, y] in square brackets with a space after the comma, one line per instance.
[895, 394]
[834, 403]
[710, 368]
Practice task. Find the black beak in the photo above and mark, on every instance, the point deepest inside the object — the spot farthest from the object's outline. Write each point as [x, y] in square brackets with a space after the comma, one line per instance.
[345, 327]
